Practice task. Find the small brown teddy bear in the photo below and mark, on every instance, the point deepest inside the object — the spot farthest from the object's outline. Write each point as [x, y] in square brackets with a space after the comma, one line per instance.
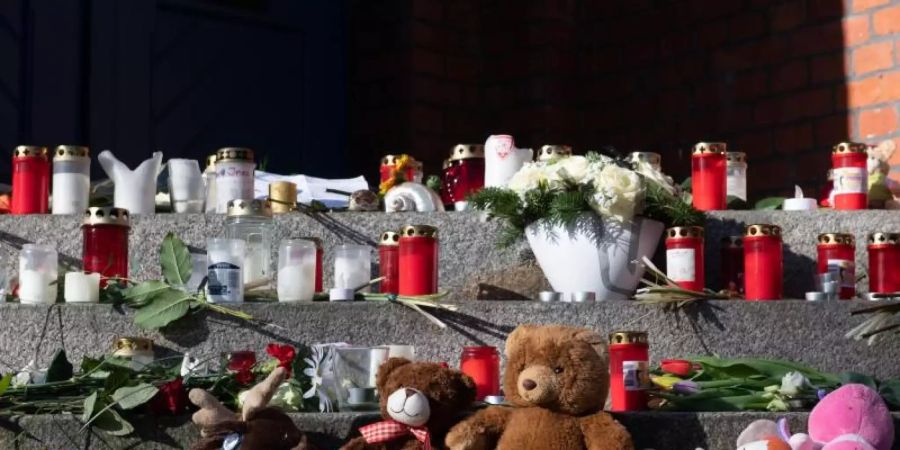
[420, 402]
[557, 380]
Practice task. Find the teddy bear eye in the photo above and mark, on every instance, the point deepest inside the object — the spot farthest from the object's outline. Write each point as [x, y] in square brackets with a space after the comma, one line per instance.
[558, 370]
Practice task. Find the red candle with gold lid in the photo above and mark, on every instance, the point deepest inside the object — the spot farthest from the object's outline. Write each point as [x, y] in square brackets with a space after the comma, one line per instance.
[763, 262]
[851, 176]
[467, 171]
[836, 253]
[389, 261]
[448, 181]
[483, 365]
[731, 255]
[105, 242]
[30, 180]
[684, 257]
[884, 262]
[629, 371]
[709, 180]
[418, 260]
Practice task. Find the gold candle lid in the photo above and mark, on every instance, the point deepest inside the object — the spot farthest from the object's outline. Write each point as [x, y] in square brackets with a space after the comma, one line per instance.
[419, 231]
[133, 344]
[758, 230]
[106, 215]
[391, 160]
[651, 158]
[548, 152]
[71, 153]
[282, 196]
[884, 238]
[735, 157]
[233, 154]
[628, 337]
[249, 207]
[30, 151]
[710, 147]
[684, 232]
[314, 240]
[850, 147]
[732, 241]
[389, 238]
[211, 160]
[836, 238]
[466, 151]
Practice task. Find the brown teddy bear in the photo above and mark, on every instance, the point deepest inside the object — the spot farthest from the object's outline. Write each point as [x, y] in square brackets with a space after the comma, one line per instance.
[420, 402]
[557, 380]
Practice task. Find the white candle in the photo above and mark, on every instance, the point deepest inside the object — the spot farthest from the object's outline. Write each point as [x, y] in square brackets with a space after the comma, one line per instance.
[799, 203]
[377, 356]
[352, 266]
[82, 287]
[35, 287]
[297, 282]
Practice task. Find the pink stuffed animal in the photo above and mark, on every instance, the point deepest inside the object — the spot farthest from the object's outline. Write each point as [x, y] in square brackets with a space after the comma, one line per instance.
[853, 417]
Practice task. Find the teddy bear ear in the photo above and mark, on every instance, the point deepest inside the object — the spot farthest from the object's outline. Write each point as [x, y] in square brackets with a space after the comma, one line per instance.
[592, 338]
[514, 340]
[384, 371]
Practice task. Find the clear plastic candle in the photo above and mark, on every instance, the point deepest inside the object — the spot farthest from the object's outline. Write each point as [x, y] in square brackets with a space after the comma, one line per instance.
[736, 168]
[38, 271]
[296, 270]
[352, 266]
[251, 221]
[226, 280]
[71, 179]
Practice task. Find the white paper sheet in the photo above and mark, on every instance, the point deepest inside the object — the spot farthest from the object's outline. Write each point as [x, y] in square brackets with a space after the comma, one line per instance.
[311, 188]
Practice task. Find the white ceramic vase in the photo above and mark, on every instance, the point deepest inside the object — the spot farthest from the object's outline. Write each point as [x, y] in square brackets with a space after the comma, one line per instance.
[594, 255]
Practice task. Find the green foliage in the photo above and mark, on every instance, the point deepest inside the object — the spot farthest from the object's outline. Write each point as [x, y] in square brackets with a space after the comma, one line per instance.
[130, 397]
[769, 203]
[175, 260]
[434, 183]
[5, 382]
[660, 205]
[165, 308]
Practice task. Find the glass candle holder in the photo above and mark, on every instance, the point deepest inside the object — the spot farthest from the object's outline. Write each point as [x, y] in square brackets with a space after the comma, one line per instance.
[884, 260]
[296, 270]
[654, 159]
[708, 176]
[225, 283]
[352, 266]
[234, 176]
[732, 263]
[836, 254]
[105, 242]
[283, 196]
[320, 253]
[356, 369]
[198, 272]
[209, 183]
[418, 260]
[251, 221]
[137, 350]
[555, 151]
[389, 262]
[186, 190]
[763, 262]
[71, 179]
[684, 257]
[38, 272]
[82, 287]
[237, 360]
[448, 181]
[483, 365]
[851, 176]
[468, 168]
[736, 169]
[629, 371]
[30, 180]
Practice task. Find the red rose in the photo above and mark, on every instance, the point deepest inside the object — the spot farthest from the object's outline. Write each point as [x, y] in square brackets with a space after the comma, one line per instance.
[172, 398]
[283, 353]
[244, 376]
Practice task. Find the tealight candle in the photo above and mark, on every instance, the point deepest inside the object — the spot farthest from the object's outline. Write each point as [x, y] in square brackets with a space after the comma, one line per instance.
[352, 267]
[37, 274]
[799, 202]
[296, 270]
[82, 287]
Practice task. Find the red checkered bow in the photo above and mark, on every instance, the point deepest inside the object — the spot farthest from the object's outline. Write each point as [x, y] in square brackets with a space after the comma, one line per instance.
[388, 430]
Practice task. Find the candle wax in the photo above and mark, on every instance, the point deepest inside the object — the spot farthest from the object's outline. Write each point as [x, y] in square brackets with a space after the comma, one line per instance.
[297, 282]
[82, 287]
[35, 287]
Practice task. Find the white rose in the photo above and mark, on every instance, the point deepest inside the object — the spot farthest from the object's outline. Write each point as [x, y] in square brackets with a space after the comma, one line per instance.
[618, 192]
[527, 178]
[644, 168]
[575, 168]
[792, 382]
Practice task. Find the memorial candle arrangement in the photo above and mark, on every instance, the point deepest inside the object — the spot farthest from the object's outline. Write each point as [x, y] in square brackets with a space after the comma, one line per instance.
[736, 169]
[389, 261]
[763, 262]
[654, 159]
[296, 270]
[235, 170]
[30, 180]
[483, 365]
[684, 257]
[464, 173]
[731, 258]
[225, 277]
[105, 242]
[548, 152]
[629, 371]
[709, 187]
[251, 221]
[38, 272]
[352, 269]
[71, 179]
[851, 176]
[418, 260]
[836, 254]
[884, 263]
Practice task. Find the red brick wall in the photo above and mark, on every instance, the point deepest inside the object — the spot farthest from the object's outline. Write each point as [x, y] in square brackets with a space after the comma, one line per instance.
[771, 78]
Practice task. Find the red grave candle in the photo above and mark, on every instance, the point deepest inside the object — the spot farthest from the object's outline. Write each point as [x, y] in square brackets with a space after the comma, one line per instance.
[389, 163]
[389, 261]
[709, 178]
[629, 374]
[30, 180]
[837, 254]
[851, 176]
[448, 182]
[105, 242]
[684, 257]
[884, 262]
[763, 263]
[554, 151]
[467, 162]
[732, 263]
[483, 365]
[418, 260]
[239, 360]
[320, 252]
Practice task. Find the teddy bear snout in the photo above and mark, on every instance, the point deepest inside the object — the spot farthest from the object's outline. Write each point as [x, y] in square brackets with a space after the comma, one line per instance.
[409, 406]
[537, 384]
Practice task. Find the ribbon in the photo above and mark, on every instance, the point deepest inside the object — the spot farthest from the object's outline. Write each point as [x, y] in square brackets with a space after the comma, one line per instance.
[389, 430]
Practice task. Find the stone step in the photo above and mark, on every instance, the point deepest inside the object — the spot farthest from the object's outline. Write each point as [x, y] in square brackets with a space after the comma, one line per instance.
[471, 265]
[806, 332]
[650, 430]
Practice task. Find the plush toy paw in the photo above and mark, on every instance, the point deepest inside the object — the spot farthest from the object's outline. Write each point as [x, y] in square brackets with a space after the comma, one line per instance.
[464, 439]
